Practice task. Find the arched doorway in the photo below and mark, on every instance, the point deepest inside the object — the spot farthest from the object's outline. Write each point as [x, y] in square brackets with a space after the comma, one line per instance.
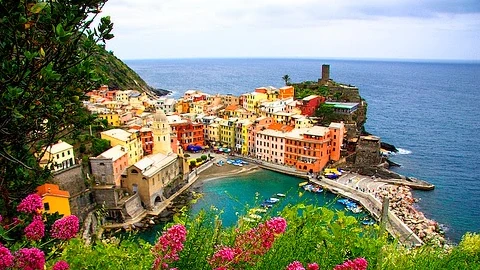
[304, 167]
[158, 200]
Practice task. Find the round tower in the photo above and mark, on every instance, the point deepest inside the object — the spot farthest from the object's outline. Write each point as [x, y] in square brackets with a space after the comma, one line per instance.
[161, 133]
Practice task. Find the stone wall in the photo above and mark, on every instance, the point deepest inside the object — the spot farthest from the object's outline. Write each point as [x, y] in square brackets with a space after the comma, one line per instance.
[106, 196]
[133, 207]
[368, 151]
[81, 198]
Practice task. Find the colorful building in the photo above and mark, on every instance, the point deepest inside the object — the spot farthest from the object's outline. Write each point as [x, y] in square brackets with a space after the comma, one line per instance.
[270, 143]
[309, 105]
[310, 149]
[286, 92]
[58, 157]
[241, 136]
[252, 100]
[151, 176]
[130, 141]
[187, 132]
[257, 125]
[161, 131]
[107, 168]
[54, 200]
[227, 132]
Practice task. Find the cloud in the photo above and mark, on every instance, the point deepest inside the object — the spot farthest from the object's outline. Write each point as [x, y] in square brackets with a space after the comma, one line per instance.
[284, 28]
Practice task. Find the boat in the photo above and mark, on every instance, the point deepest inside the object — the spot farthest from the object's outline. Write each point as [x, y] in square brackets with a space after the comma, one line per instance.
[308, 187]
[354, 209]
[248, 219]
[272, 200]
[255, 216]
[368, 221]
[258, 210]
[302, 184]
[266, 205]
[343, 201]
[280, 195]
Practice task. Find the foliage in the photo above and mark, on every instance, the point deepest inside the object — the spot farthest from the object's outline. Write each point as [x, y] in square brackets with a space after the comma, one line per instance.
[204, 157]
[99, 146]
[286, 79]
[313, 234]
[303, 90]
[326, 114]
[46, 54]
[193, 163]
[199, 159]
[31, 237]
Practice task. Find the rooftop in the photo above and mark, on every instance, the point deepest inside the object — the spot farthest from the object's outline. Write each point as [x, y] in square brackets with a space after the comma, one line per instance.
[113, 153]
[150, 165]
[117, 133]
[342, 105]
[58, 147]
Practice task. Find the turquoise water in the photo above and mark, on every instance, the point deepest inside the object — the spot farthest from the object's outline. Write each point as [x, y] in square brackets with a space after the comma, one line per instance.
[428, 109]
[233, 196]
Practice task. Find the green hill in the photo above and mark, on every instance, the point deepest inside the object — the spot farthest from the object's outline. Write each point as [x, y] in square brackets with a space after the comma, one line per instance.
[120, 76]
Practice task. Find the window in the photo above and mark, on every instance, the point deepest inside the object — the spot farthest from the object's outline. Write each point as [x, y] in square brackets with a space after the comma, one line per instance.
[46, 206]
[63, 154]
[133, 171]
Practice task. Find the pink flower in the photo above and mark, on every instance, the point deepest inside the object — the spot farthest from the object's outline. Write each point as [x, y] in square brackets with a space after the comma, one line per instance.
[29, 259]
[1, 218]
[65, 228]
[277, 224]
[35, 230]
[168, 246]
[357, 264]
[313, 266]
[6, 258]
[61, 265]
[31, 204]
[296, 265]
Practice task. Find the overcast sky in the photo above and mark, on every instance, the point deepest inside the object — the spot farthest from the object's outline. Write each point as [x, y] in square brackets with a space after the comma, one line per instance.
[404, 29]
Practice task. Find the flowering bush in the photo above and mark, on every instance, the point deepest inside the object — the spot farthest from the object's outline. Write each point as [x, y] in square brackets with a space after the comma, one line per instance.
[357, 264]
[249, 246]
[168, 246]
[31, 224]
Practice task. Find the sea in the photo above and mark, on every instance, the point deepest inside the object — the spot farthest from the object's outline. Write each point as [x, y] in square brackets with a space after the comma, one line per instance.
[430, 110]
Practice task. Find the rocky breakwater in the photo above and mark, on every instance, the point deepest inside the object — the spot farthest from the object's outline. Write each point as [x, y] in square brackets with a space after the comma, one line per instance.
[402, 205]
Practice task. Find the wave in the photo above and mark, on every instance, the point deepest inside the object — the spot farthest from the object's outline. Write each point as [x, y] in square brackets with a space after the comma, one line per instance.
[402, 151]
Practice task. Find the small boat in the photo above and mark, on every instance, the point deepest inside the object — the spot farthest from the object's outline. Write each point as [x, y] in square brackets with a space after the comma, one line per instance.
[266, 205]
[272, 200]
[308, 187]
[343, 201]
[248, 219]
[355, 210]
[255, 216]
[258, 210]
[280, 195]
[302, 184]
[368, 222]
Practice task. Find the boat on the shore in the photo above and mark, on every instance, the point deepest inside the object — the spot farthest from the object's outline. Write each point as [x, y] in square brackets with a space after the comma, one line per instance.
[313, 188]
[272, 200]
[280, 195]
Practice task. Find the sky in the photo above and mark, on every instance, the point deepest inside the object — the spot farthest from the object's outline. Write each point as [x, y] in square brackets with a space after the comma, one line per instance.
[345, 29]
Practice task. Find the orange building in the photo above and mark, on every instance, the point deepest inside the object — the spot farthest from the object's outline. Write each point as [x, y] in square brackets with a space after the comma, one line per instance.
[286, 92]
[310, 149]
[188, 132]
[54, 200]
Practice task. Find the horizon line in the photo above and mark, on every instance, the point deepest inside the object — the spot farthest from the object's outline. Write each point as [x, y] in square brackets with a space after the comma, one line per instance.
[368, 59]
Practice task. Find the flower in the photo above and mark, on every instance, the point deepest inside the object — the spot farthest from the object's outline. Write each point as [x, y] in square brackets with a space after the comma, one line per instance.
[313, 266]
[65, 228]
[29, 259]
[6, 258]
[169, 245]
[61, 265]
[30, 204]
[357, 264]
[296, 265]
[277, 224]
[35, 230]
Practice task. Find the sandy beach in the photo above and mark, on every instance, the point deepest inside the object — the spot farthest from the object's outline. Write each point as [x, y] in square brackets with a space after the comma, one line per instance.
[226, 170]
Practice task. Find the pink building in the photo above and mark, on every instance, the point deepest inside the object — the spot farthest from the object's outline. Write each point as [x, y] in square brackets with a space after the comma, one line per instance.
[270, 143]
[107, 168]
[258, 124]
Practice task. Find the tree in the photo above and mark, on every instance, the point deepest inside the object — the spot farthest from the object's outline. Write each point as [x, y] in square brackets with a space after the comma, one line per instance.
[286, 78]
[99, 146]
[46, 54]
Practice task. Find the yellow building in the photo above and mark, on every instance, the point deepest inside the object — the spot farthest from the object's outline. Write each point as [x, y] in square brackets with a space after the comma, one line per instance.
[198, 107]
[227, 132]
[113, 118]
[213, 132]
[130, 141]
[253, 99]
[54, 200]
[58, 157]
[241, 136]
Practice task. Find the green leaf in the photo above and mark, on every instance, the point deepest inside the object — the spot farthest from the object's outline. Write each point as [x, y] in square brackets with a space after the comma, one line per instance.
[59, 30]
[38, 7]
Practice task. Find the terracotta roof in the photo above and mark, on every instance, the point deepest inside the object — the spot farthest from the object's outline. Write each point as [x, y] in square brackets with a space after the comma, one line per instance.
[53, 190]
[232, 107]
[280, 127]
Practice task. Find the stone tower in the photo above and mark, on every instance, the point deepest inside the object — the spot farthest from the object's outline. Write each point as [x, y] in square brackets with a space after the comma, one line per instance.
[325, 73]
[161, 133]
